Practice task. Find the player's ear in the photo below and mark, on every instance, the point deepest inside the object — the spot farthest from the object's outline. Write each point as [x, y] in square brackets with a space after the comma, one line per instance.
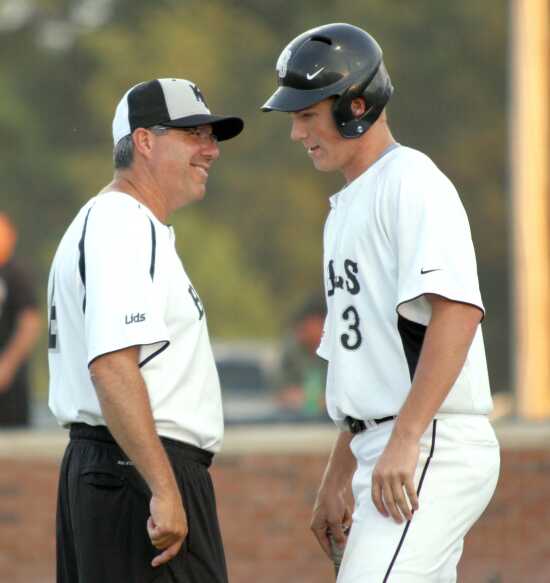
[358, 107]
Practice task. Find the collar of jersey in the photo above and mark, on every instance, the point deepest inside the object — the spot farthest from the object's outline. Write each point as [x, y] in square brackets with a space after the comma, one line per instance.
[145, 208]
[348, 191]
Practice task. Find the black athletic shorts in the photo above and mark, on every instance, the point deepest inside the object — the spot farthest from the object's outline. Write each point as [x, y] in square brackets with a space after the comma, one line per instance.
[102, 511]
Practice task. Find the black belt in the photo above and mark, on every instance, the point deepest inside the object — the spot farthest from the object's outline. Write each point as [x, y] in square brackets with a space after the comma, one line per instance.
[358, 425]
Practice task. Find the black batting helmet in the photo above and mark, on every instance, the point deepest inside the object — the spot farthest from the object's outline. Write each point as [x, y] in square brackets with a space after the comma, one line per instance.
[334, 60]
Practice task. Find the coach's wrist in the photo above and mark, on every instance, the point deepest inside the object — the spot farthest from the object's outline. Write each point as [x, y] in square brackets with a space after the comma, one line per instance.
[162, 482]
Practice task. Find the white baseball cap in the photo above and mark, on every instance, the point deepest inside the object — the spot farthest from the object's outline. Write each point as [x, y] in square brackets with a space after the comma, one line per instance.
[174, 103]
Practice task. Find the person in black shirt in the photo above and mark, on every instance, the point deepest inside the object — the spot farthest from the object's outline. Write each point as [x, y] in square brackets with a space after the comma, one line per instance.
[19, 328]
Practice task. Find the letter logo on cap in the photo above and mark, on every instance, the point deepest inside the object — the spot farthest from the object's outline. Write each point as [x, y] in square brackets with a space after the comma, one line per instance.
[282, 63]
[198, 95]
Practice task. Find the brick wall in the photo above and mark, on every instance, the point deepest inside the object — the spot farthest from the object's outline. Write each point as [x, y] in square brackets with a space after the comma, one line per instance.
[265, 507]
[264, 501]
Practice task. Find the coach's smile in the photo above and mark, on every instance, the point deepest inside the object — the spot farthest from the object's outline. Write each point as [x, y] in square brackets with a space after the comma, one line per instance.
[202, 169]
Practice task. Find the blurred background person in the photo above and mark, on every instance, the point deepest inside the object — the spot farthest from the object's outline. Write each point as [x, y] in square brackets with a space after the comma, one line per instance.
[303, 374]
[20, 324]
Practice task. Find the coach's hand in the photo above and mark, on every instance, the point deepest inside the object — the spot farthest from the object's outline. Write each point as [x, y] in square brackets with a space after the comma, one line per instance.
[331, 516]
[167, 525]
[393, 491]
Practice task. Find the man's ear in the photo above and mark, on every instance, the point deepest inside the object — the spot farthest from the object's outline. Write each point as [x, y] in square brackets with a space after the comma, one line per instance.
[143, 140]
[358, 107]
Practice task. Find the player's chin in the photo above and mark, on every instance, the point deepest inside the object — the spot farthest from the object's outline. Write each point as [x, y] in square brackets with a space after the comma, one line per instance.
[323, 165]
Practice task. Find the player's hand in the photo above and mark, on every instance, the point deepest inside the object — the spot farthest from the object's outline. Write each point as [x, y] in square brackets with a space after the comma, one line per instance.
[331, 517]
[167, 526]
[393, 491]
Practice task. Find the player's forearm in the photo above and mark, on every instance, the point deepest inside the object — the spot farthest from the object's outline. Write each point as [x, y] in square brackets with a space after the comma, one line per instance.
[340, 466]
[446, 343]
[23, 339]
[125, 405]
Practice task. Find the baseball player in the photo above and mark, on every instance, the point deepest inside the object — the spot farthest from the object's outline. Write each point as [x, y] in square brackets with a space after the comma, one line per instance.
[407, 379]
[131, 368]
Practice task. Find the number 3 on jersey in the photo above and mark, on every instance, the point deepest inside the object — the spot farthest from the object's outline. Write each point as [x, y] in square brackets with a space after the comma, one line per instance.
[353, 340]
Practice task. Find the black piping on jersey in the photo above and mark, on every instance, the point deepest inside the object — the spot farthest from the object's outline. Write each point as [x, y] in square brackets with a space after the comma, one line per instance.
[82, 255]
[156, 353]
[82, 258]
[153, 249]
[406, 529]
[82, 270]
[152, 274]
[52, 338]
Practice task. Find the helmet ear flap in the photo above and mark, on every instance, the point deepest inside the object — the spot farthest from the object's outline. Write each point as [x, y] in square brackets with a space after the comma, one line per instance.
[376, 92]
[347, 123]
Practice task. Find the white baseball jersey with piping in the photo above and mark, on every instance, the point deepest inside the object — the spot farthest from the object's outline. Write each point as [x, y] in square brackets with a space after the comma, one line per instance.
[117, 281]
[397, 232]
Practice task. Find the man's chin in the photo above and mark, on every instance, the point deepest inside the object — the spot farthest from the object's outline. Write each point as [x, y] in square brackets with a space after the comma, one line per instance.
[196, 195]
[200, 191]
[323, 166]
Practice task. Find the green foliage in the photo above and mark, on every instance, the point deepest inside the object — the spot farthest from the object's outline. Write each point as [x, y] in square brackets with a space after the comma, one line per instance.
[237, 300]
[253, 246]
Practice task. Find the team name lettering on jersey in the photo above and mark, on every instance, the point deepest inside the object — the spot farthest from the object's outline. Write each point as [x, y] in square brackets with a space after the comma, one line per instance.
[352, 338]
[349, 282]
[132, 318]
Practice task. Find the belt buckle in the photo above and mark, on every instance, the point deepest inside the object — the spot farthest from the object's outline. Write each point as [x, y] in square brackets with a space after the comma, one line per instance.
[370, 423]
[355, 425]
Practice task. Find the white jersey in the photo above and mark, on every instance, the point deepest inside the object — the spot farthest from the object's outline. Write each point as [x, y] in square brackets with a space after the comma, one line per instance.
[397, 232]
[117, 281]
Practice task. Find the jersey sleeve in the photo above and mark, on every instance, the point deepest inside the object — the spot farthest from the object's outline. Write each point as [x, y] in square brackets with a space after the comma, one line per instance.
[434, 246]
[123, 307]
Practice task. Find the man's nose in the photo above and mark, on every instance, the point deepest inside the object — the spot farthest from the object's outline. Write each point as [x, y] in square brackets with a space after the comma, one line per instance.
[211, 149]
[297, 131]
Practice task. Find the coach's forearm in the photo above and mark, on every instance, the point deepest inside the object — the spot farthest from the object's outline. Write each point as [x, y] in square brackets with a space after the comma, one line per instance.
[340, 466]
[125, 405]
[448, 338]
